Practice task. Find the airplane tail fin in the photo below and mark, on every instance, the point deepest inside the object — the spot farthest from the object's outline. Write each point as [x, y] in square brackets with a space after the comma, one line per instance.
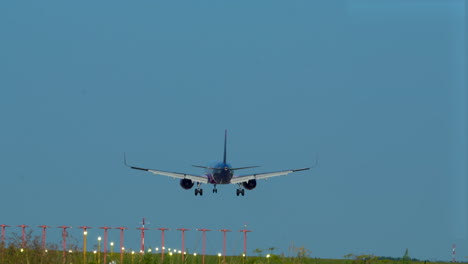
[225, 143]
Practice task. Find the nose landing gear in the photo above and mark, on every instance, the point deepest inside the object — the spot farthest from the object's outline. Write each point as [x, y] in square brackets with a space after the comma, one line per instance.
[215, 190]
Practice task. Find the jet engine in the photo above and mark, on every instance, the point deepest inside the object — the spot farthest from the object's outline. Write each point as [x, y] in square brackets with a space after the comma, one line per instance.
[250, 185]
[186, 184]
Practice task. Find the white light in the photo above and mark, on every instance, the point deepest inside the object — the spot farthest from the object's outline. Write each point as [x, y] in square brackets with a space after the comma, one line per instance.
[180, 251]
[170, 253]
[85, 233]
[112, 244]
[123, 249]
[94, 251]
[243, 254]
[21, 250]
[163, 247]
[133, 252]
[69, 251]
[157, 249]
[219, 254]
[149, 250]
[268, 255]
[99, 238]
[46, 251]
[195, 254]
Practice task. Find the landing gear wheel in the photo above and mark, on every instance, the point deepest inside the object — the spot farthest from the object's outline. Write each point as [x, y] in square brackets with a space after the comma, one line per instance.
[242, 191]
[198, 191]
[215, 190]
[237, 192]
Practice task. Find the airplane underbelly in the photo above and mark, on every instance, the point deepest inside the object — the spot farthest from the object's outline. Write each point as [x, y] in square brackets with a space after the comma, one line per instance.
[222, 178]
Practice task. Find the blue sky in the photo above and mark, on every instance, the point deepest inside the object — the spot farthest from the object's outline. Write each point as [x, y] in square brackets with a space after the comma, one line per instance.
[376, 88]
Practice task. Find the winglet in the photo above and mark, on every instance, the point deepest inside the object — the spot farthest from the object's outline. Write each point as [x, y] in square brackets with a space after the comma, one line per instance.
[225, 140]
[125, 160]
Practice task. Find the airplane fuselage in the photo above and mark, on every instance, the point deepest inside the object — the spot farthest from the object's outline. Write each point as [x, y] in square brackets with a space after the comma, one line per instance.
[220, 173]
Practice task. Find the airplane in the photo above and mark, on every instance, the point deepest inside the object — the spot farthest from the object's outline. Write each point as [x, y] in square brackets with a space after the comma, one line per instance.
[219, 173]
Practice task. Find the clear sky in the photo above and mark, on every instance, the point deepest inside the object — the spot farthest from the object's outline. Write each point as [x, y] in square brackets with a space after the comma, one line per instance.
[376, 88]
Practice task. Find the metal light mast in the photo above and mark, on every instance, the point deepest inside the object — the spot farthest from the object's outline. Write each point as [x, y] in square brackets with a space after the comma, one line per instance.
[105, 241]
[23, 235]
[142, 241]
[85, 235]
[245, 240]
[3, 233]
[64, 240]
[224, 243]
[454, 247]
[44, 227]
[121, 242]
[204, 230]
[183, 240]
[162, 241]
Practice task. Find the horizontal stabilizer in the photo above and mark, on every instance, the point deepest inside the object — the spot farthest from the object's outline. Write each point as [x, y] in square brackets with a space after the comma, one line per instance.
[242, 168]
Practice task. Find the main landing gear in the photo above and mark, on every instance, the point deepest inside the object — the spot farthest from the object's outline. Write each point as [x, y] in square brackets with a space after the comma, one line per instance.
[215, 190]
[240, 190]
[198, 190]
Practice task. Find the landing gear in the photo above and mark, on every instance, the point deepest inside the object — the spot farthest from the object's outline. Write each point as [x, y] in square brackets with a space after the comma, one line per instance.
[215, 190]
[198, 190]
[240, 191]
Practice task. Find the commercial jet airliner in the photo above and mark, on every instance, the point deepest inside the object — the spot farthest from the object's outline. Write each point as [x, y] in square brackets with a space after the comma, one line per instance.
[219, 173]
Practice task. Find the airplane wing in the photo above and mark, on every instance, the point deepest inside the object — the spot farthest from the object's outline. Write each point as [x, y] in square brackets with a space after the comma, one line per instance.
[178, 175]
[259, 176]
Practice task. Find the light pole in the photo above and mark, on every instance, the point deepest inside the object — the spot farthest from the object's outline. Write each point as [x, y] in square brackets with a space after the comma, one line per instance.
[133, 255]
[44, 227]
[105, 241]
[85, 234]
[183, 240]
[3, 234]
[243, 258]
[204, 230]
[219, 258]
[99, 250]
[121, 242]
[245, 240]
[224, 243]
[268, 258]
[162, 242]
[23, 235]
[64, 240]
[112, 250]
[170, 254]
[94, 252]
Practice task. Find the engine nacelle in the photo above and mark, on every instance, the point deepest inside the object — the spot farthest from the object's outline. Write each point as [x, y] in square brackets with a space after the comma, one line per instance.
[186, 184]
[250, 185]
